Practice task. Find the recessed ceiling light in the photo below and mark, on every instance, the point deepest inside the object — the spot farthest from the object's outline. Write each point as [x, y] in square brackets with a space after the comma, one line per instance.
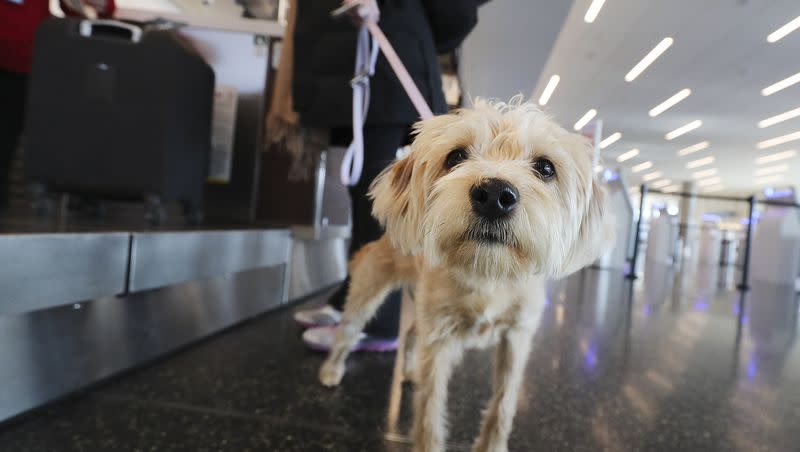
[641, 167]
[593, 11]
[771, 121]
[611, 139]
[776, 35]
[671, 188]
[661, 183]
[700, 162]
[627, 155]
[704, 173]
[794, 136]
[771, 170]
[713, 188]
[669, 103]
[709, 182]
[783, 84]
[648, 59]
[776, 157]
[694, 148]
[585, 119]
[548, 89]
[652, 176]
[683, 129]
[768, 179]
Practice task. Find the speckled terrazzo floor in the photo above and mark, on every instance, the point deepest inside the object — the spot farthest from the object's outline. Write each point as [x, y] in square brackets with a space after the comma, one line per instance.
[669, 363]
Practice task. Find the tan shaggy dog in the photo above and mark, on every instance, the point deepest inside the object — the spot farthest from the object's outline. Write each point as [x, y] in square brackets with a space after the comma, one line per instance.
[490, 203]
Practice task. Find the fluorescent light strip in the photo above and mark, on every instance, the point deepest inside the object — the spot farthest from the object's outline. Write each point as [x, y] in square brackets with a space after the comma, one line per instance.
[714, 188]
[588, 116]
[671, 188]
[778, 34]
[704, 173]
[593, 11]
[661, 183]
[641, 167]
[771, 170]
[794, 136]
[627, 155]
[694, 148]
[611, 139]
[683, 129]
[548, 89]
[652, 176]
[776, 157]
[771, 121]
[783, 84]
[709, 182]
[648, 59]
[768, 179]
[700, 162]
[669, 103]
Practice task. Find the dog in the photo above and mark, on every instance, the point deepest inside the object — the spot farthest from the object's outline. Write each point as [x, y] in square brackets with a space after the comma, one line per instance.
[490, 202]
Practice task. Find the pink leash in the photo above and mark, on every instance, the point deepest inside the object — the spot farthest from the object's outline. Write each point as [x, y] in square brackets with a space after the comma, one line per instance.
[366, 57]
[400, 71]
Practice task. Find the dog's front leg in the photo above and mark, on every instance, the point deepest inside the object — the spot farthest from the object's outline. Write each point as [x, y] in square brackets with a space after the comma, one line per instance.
[410, 355]
[436, 361]
[512, 355]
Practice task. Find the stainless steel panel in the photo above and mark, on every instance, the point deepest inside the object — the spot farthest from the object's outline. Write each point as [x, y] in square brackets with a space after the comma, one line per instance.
[50, 353]
[332, 201]
[44, 270]
[160, 259]
[316, 264]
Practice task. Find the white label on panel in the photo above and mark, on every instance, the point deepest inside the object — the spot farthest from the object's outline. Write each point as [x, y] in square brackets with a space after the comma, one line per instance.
[225, 102]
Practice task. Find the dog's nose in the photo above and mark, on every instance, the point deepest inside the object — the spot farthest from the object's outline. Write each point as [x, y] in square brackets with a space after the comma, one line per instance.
[494, 198]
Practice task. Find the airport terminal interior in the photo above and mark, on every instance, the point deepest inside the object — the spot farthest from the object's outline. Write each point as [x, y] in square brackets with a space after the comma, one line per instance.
[165, 248]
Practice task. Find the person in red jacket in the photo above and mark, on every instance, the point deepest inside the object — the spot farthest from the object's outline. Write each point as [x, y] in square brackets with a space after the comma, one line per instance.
[19, 20]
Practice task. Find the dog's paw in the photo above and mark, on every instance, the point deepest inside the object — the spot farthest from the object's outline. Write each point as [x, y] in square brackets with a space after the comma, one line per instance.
[330, 374]
[410, 374]
[483, 445]
[410, 378]
[487, 444]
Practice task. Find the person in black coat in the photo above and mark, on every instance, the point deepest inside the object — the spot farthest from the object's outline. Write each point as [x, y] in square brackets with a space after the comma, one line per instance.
[324, 58]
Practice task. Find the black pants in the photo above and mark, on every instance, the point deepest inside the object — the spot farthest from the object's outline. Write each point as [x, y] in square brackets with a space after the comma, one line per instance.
[380, 147]
[13, 90]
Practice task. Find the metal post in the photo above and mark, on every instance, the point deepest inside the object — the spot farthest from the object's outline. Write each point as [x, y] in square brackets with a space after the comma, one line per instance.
[634, 258]
[745, 284]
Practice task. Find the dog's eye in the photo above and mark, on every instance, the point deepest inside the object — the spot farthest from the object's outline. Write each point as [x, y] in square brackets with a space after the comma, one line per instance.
[455, 157]
[545, 168]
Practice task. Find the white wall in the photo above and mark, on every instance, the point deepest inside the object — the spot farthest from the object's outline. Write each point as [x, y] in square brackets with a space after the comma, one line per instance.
[507, 51]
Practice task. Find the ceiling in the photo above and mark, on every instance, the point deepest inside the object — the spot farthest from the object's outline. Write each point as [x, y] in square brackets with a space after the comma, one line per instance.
[720, 52]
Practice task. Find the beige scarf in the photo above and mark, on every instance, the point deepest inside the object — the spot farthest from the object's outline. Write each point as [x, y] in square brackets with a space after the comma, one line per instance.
[304, 144]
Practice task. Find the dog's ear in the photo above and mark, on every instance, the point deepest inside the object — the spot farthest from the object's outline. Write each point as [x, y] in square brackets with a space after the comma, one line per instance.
[595, 233]
[397, 204]
[594, 236]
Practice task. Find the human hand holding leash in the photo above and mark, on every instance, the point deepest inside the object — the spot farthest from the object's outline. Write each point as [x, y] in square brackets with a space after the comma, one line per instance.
[361, 12]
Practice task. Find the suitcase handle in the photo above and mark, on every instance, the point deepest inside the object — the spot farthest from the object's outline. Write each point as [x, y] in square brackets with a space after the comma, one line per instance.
[87, 28]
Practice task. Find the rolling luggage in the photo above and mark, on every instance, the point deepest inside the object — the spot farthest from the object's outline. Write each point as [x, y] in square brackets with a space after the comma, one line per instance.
[120, 113]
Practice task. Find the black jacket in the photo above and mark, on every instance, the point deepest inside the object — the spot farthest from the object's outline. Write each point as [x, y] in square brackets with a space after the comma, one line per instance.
[325, 52]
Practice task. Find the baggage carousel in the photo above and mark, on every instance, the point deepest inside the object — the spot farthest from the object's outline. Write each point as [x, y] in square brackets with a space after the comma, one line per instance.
[85, 300]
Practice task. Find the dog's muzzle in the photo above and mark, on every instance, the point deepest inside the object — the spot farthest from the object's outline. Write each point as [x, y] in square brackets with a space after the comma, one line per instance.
[493, 199]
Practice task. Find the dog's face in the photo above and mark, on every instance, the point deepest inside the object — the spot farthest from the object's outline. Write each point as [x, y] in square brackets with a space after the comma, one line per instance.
[497, 191]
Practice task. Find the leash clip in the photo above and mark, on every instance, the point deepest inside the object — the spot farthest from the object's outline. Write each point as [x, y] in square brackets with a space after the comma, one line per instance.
[360, 78]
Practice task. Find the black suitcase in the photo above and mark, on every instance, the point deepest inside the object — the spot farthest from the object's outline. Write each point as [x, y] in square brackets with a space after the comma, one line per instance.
[118, 113]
